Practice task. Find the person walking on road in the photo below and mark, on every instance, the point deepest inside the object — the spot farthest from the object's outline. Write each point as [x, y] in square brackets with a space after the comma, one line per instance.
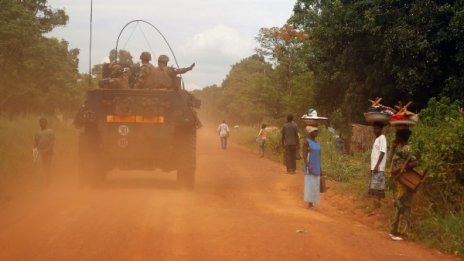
[261, 138]
[312, 168]
[44, 142]
[290, 143]
[378, 162]
[223, 131]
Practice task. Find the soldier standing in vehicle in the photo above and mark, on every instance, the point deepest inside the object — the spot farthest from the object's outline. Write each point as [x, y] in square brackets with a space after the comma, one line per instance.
[44, 141]
[146, 71]
[165, 76]
[118, 80]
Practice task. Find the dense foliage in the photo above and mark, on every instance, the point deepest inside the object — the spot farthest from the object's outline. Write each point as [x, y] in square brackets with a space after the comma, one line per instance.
[334, 55]
[38, 73]
[438, 141]
[124, 58]
[399, 50]
[247, 95]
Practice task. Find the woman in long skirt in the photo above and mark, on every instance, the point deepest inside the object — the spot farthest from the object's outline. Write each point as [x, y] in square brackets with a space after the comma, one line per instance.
[312, 167]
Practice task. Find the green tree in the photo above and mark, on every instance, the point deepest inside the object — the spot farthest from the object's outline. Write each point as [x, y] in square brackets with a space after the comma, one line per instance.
[284, 48]
[124, 57]
[38, 73]
[246, 80]
[438, 141]
[246, 96]
[210, 97]
[398, 50]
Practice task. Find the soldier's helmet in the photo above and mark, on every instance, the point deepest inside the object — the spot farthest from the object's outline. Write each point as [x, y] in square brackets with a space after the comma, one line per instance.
[145, 56]
[163, 59]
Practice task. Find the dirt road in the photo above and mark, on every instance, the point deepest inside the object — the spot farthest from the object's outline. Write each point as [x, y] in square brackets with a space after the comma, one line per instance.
[243, 208]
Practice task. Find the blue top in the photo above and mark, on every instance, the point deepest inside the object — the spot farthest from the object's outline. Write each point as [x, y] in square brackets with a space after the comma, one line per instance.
[314, 157]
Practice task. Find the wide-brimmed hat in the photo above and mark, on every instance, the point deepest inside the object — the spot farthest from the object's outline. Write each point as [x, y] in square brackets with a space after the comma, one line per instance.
[312, 115]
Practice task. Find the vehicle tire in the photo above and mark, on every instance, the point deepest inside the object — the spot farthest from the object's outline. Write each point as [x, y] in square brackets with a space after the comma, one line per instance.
[90, 168]
[186, 157]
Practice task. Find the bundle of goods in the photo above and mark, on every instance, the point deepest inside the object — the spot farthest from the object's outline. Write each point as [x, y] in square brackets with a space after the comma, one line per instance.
[403, 118]
[378, 112]
[311, 118]
[410, 177]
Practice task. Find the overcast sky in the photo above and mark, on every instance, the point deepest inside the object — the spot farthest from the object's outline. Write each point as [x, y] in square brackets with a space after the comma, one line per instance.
[213, 33]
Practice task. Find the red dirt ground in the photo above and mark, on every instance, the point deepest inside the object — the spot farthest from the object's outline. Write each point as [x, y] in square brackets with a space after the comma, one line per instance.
[243, 208]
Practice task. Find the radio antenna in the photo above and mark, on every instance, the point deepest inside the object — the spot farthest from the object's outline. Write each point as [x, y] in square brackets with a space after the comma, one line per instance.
[159, 32]
[90, 45]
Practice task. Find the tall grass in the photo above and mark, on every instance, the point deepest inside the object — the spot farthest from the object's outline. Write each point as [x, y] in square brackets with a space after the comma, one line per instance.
[444, 232]
[16, 143]
[246, 136]
[351, 172]
[338, 166]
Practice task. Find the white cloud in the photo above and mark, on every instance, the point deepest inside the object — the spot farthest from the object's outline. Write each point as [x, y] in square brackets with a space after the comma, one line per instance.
[214, 50]
[220, 40]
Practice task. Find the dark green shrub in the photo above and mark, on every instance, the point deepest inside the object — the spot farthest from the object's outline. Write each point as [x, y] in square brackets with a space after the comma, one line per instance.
[438, 141]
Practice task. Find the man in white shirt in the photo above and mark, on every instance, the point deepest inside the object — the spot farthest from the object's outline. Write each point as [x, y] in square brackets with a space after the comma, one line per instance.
[378, 162]
[223, 131]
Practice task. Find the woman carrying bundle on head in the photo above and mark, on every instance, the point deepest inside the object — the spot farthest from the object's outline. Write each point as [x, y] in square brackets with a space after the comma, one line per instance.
[312, 167]
[402, 158]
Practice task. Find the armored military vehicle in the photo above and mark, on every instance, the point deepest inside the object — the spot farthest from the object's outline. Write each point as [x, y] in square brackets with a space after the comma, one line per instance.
[138, 129]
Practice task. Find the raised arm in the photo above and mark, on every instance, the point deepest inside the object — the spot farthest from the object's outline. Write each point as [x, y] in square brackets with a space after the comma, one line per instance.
[184, 70]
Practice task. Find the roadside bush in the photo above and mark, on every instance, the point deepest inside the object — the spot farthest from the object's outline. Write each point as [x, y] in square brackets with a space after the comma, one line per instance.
[16, 145]
[438, 141]
[338, 166]
[443, 232]
[274, 148]
[246, 135]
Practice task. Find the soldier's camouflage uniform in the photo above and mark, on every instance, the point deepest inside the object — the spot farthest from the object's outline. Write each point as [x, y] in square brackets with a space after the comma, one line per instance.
[145, 77]
[118, 79]
[120, 82]
[165, 77]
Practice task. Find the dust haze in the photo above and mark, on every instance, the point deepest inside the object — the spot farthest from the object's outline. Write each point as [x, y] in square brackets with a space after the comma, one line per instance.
[242, 208]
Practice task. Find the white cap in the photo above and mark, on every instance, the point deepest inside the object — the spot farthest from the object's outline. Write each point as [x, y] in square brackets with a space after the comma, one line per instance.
[310, 129]
[312, 115]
